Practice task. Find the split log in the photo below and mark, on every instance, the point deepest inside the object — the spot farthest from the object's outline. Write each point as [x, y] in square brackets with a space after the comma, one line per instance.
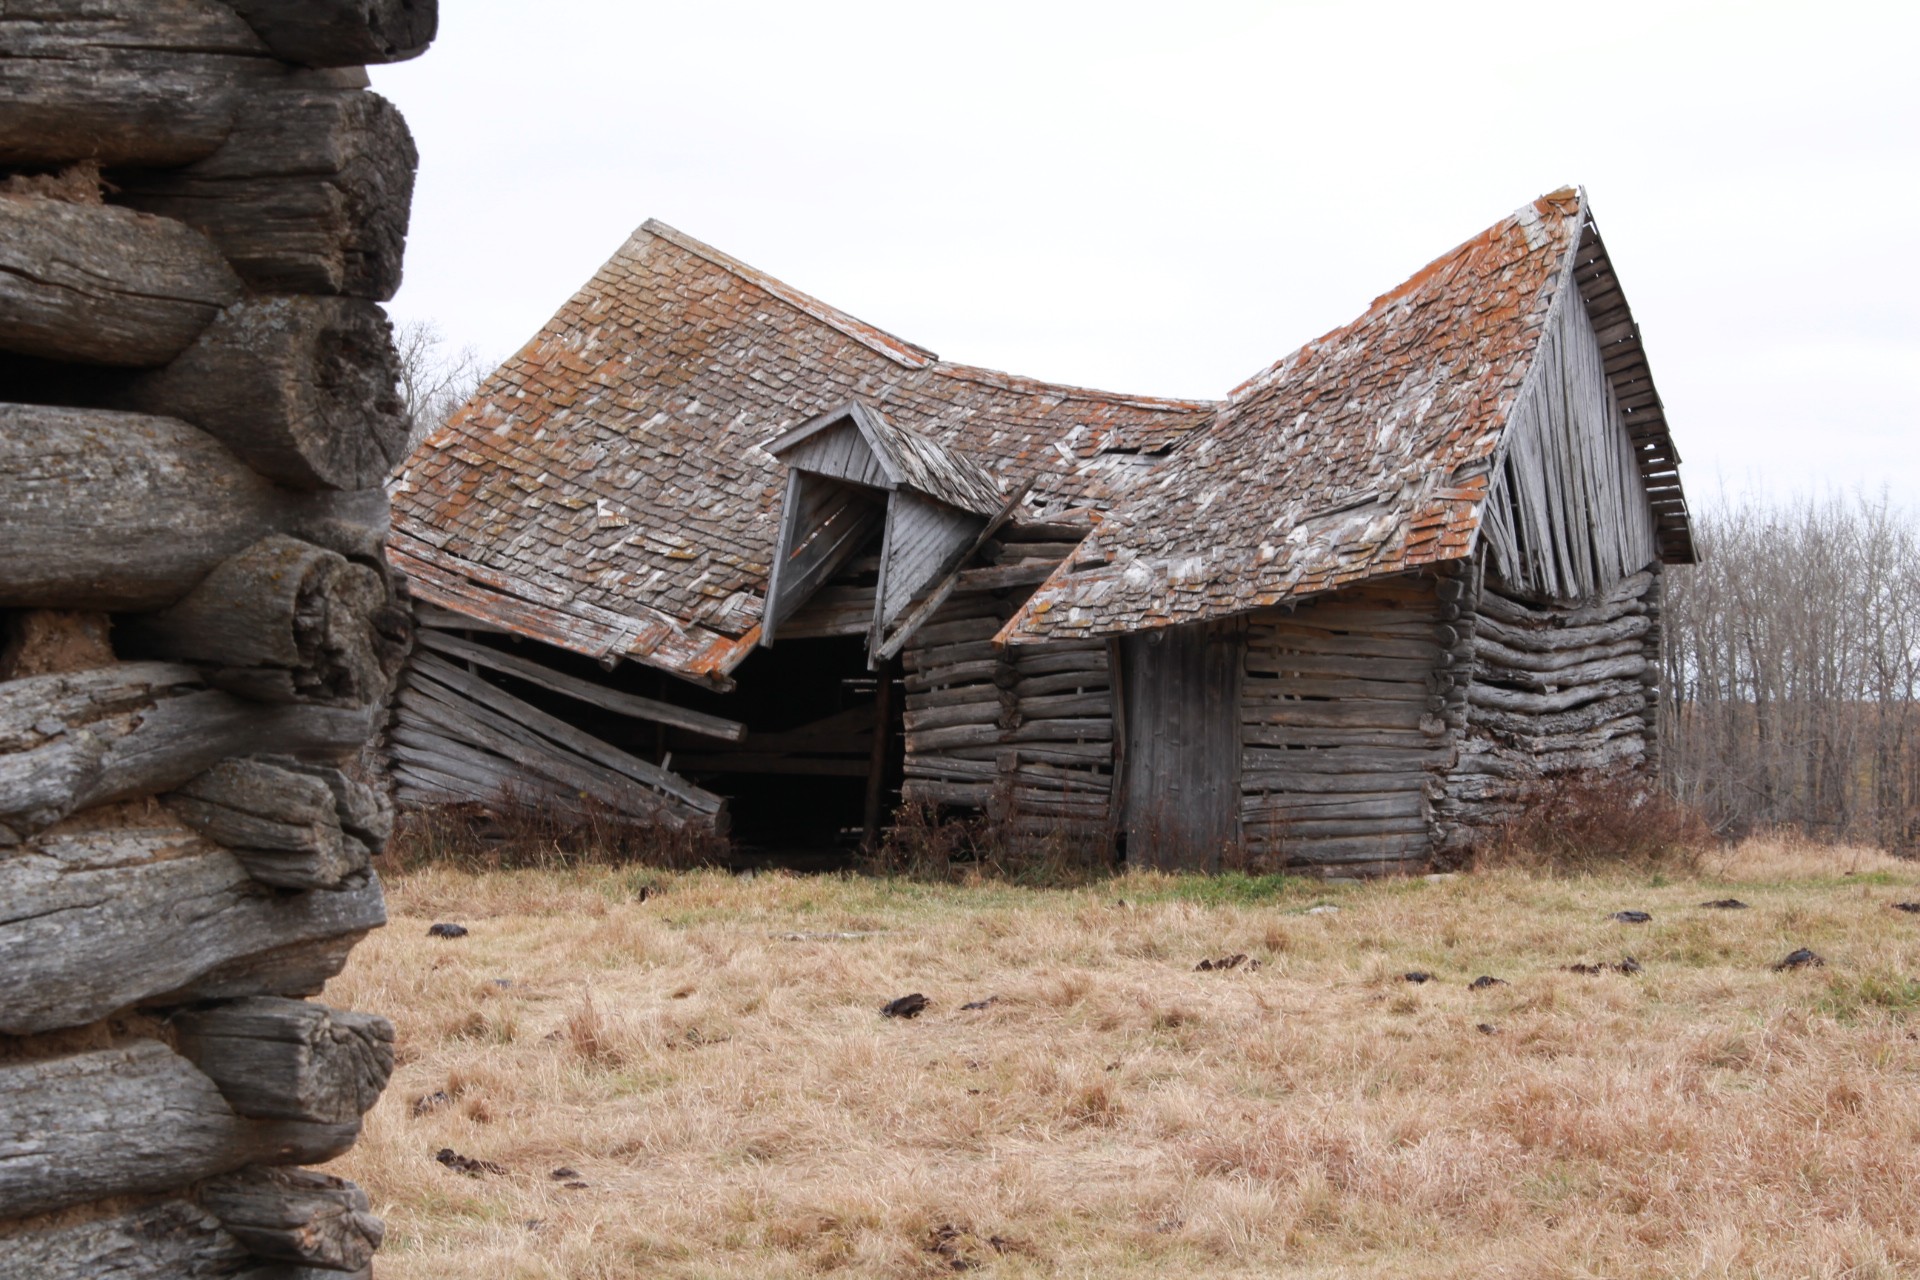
[290, 827]
[171, 1240]
[68, 742]
[99, 285]
[131, 1120]
[278, 1059]
[1585, 673]
[342, 33]
[146, 82]
[284, 621]
[302, 389]
[297, 1216]
[309, 194]
[96, 920]
[1559, 639]
[125, 512]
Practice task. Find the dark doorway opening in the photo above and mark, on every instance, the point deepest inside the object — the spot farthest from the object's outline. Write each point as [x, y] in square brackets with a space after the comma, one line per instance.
[823, 752]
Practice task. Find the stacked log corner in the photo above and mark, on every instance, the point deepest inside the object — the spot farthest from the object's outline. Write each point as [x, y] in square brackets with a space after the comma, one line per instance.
[201, 209]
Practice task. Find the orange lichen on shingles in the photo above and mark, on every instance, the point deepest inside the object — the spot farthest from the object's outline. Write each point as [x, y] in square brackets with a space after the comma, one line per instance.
[1363, 453]
[653, 390]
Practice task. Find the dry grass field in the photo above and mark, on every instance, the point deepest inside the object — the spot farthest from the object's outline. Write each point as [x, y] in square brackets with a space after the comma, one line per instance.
[710, 1064]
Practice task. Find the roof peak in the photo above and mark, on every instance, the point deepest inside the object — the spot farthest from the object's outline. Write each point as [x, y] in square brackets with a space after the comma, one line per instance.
[896, 349]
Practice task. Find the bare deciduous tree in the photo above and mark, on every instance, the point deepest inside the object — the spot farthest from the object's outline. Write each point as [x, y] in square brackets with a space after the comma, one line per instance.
[1793, 663]
[433, 380]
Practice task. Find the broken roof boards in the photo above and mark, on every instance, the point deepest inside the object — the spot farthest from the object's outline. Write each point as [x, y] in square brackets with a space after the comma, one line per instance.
[610, 489]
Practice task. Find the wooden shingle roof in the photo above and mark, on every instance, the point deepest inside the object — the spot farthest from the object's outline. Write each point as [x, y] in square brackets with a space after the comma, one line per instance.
[608, 489]
[1368, 451]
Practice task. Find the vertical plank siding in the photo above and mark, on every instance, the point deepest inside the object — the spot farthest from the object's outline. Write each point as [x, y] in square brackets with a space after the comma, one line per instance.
[1181, 767]
[924, 540]
[1343, 727]
[1557, 688]
[1569, 512]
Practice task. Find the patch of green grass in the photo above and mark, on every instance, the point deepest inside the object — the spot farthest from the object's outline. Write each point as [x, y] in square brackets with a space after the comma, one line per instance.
[1849, 996]
[1232, 888]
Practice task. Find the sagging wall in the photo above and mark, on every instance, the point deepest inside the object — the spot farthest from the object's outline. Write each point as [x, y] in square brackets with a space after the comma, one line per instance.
[1557, 688]
[200, 211]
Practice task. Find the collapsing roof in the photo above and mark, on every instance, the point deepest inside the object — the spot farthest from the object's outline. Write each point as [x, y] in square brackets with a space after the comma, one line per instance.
[608, 489]
[613, 488]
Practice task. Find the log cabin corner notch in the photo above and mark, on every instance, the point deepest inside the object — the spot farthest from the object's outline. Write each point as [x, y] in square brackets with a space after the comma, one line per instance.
[1340, 618]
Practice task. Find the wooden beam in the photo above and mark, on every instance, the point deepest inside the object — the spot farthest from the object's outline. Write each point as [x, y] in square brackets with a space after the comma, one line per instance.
[613, 700]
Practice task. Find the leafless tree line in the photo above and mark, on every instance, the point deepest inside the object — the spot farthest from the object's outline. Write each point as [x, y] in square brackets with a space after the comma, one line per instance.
[1793, 668]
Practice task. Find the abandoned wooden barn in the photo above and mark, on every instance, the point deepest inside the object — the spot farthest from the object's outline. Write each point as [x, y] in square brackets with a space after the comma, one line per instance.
[709, 551]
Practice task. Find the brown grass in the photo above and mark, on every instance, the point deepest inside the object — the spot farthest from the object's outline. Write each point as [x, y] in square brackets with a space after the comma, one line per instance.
[712, 1064]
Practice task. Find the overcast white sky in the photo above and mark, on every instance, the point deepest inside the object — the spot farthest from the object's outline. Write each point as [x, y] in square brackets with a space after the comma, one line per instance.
[1166, 198]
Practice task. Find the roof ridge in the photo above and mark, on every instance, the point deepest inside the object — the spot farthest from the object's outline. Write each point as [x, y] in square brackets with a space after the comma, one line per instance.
[894, 348]
[1070, 390]
[1562, 195]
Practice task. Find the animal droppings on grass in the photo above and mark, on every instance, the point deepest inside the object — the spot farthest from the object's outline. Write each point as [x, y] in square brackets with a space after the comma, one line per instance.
[428, 1102]
[466, 1164]
[1485, 981]
[1227, 962]
[971, 1005]
[1416, 976]
[446, 930]
[563, 1174]
[1801, 959]
[1321, 1117]
[1486, 1029]
[1726, 904]
[905, 1007]
[1626, 966]
[1631, 917]
[1913, 907]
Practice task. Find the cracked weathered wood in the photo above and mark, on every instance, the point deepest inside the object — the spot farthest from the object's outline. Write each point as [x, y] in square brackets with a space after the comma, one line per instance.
[342, 33]
[98, 285]
[96, 919]
[284, 621]
[124, 511]
[74, 740]
[302, 389]
[295, 1215]
[278, 1059]
[291, 829]
[310, 193]
[148, 82]
[170, 1240]
[129, 1120]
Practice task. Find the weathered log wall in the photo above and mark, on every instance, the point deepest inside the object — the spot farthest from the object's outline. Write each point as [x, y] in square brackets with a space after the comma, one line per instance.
[1557, 688]
[1344, 725]
[200, 208]
[1021, 733]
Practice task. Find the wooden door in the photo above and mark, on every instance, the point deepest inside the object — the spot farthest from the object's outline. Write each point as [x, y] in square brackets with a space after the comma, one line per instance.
[1180, 764]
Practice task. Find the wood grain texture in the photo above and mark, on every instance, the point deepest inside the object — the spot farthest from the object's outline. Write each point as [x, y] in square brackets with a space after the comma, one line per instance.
[309, 193]
[292, 827]
[174, 1239]
[302, 389]
[342, 33]
[94, 919]
[131, 1120]
[124, 82]
[97, 285]
[127, 512]
[278, 1059]
[71, 741]
[284, 621]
